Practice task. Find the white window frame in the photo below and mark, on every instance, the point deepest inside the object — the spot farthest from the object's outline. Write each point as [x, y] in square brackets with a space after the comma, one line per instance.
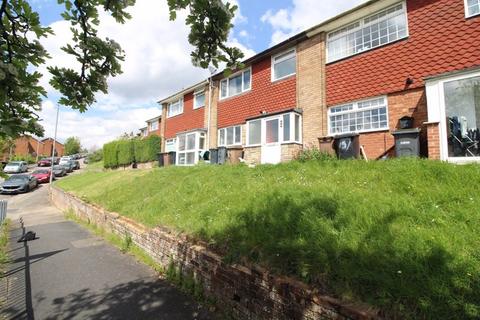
[437, 112]
[227, 81]
[196, 150]
[361, 25]
[171, 114]
[290, 52]
[198, 93]
[280, 116]
[225, 130]
[356, 109]
[171, 142]
[467, 11]
[151, 126]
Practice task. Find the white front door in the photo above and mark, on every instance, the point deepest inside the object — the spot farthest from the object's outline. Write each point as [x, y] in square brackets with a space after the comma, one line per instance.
[271, 147]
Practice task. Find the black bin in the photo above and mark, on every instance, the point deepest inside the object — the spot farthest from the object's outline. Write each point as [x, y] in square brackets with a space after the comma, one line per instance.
[222, 155]
[347, 146]
[213, 156]
[172, 157]
[161, 159]
[406, 122]
[407, 142]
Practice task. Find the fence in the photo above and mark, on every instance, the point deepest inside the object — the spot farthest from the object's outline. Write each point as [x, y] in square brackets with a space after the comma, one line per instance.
[3, 210]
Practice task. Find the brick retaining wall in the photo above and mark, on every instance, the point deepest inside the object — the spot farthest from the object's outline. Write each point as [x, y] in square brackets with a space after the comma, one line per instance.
[244, 293]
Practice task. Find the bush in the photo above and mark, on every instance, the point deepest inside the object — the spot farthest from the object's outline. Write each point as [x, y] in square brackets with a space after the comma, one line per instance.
[96, 156]
[125, 152]
[28, 158]
[315, 155]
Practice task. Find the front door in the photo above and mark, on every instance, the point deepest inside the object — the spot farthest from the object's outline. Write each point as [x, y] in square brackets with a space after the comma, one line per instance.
[271, 147]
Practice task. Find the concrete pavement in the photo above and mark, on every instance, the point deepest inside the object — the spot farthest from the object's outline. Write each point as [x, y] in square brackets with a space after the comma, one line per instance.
[68, 273]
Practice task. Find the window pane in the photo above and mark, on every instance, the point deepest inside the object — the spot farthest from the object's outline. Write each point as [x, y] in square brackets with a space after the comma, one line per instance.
[201, 142]
[235, 85]
[170, 145]
[199, 100]
[284, 68]
[462, 104]
[191, 141]
[230, 136]
[223, 88]
[286, 127]
[238, 135]
[246, 80]
[190, 158]
[384, 27]
[297, 128]
[272, 131]
[255, 132]
[181, 158]
[473, 7]
[181, 143]
[222, 137]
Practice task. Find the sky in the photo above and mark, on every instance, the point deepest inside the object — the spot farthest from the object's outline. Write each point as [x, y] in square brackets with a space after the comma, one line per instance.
[157, 62]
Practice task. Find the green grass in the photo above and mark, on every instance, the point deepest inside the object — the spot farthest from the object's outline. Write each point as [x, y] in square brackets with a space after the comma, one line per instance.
[4, 227]
[401, 235]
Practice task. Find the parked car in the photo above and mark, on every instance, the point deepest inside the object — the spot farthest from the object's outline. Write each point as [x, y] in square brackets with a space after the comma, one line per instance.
[16, 167]
[59, 171]
[45, 162]
[18, 183]
[68, 166]
[76, 164]
[56, 160]
[42, 175]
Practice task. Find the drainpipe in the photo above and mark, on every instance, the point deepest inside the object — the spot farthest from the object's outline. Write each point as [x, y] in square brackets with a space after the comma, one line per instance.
[210, 86]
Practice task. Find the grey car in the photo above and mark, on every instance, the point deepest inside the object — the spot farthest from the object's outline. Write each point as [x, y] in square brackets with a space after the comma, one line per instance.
[76, 164]
[59, 171]
[18, 183]
[67, 165]
[16, 167]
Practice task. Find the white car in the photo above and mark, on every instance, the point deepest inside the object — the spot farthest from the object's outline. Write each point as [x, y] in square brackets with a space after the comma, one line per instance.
[16, 167]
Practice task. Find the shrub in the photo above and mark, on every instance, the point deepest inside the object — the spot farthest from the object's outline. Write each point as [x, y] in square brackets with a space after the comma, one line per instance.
[110, 156]
[28, 158]
[315, 155]
[126, 151]
[147, 149]
[96, 156]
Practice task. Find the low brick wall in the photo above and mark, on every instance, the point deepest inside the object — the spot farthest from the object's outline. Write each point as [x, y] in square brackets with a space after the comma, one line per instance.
[244, 293]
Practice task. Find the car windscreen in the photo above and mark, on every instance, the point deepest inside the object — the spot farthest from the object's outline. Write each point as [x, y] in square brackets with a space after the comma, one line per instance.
[13, 164]
[40, 172]
[18, 177]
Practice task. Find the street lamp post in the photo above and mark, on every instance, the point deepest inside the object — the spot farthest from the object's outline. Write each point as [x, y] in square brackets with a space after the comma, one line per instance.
[53, 146]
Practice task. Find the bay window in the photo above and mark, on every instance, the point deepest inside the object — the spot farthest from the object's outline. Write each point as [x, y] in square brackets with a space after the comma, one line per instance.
[230, 136]
[376, 30]
[361, 116]
[189, 147]
[236, 84]
[175, 108]
[284, 65]
[472, 7]
[284, 128]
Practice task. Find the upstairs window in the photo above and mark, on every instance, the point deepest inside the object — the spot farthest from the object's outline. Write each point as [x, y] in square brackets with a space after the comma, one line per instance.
[371, 32]
[362, 116]
[472, 7]
[175, 108]
[230, 136]
[236, 84]
[199, 99]
[284, 65]
[154, 125]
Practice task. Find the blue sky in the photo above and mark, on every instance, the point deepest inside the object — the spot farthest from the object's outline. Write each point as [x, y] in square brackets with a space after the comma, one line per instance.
[157, 60]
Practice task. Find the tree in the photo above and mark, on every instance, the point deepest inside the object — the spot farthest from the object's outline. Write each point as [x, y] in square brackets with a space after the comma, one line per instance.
[72, 146]
[210, 22]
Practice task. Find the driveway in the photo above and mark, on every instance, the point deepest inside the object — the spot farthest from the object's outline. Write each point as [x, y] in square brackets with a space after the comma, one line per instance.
[68, 273]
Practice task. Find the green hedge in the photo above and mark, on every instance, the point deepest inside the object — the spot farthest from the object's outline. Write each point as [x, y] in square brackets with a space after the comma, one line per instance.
[125, 152]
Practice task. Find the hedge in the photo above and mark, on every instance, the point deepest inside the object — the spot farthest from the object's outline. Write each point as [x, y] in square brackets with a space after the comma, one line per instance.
[125, 152]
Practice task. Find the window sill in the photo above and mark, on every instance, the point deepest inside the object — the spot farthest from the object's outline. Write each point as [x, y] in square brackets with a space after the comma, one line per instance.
[472, 16]
[168, 117]
[198, 107]
[235, 96]
[333, 135]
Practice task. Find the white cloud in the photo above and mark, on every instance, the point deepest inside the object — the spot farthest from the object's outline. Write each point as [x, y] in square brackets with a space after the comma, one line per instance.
[157, 64]
[304, 14]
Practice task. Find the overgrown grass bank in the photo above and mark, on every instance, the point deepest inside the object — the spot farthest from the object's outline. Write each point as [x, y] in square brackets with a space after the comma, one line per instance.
[402, 235]
[4, 227]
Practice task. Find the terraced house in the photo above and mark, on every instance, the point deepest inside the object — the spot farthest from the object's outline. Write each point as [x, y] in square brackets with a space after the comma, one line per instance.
[356, 74]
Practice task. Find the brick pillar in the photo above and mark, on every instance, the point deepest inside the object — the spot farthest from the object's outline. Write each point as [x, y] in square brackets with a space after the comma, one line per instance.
[213, 130]
[433, 140]
[311, 86]
[163, 124]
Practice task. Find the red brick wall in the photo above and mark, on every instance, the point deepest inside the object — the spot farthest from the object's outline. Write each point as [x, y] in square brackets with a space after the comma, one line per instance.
[433, 135]
[47, 148]
[441, 40]
[264, 96]
[190, 119]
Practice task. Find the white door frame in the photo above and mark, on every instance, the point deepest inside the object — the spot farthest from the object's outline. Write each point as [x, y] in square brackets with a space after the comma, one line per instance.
[437, 111]
[272, 147]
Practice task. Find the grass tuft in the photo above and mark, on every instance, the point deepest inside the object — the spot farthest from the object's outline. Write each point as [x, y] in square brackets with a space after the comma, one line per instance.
[401, 235]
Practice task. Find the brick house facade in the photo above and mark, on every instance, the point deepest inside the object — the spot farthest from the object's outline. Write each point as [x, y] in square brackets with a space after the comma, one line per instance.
[359, 72]
[28, 145]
